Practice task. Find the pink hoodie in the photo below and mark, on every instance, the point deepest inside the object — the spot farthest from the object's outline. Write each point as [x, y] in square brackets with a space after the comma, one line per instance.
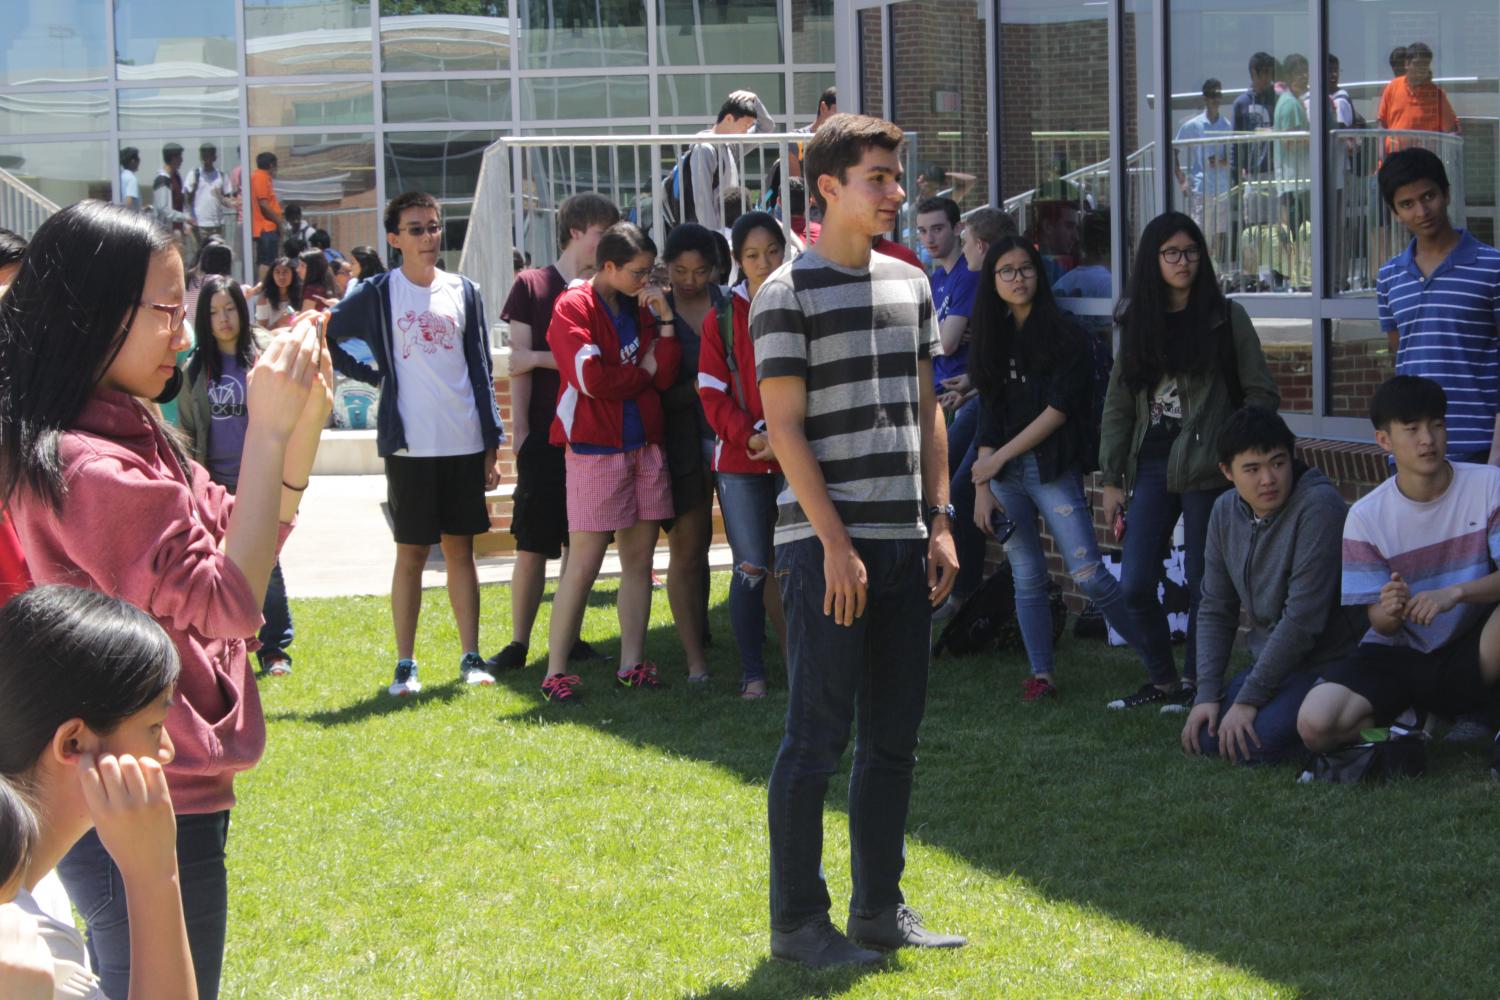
[137, 525]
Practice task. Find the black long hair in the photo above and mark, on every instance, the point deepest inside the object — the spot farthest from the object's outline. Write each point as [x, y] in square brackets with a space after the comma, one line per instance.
[272, 291]
[18, 833]
[72, 653]
[206, 354]
[317, 268]
[1142, 315]
[1048, 342]
[370, 263]
[62, 324]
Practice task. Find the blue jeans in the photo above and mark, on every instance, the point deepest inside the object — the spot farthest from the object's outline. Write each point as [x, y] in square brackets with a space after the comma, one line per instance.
[1068, 516]
[748, 502]
[968, 539]
[1148, 537]
[276, 634]
[961, 433]
[97, 890]
[872, 674]
[1275, 723]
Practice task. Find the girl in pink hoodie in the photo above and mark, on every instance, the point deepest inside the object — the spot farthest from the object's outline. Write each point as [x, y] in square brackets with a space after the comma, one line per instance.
[103, 497]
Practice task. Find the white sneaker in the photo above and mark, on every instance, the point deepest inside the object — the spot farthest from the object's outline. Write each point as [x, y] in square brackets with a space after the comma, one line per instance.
[472, 671]
[406, 679]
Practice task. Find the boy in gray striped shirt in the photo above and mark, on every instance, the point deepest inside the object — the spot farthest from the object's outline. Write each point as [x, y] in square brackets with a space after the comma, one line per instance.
[843, 354]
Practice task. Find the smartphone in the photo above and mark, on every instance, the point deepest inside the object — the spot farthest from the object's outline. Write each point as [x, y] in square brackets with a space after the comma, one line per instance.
[1120, 525]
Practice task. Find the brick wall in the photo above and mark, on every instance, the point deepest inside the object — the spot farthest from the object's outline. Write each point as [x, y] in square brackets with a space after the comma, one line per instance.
[1356, 367]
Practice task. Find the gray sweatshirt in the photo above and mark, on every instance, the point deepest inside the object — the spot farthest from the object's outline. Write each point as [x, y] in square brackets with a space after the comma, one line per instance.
[1284, 571]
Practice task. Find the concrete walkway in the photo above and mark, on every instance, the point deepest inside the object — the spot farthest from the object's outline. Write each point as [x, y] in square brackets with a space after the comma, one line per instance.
[343, 545]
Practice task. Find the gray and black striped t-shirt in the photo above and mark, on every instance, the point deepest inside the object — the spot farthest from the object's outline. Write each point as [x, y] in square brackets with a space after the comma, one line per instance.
[855, 337]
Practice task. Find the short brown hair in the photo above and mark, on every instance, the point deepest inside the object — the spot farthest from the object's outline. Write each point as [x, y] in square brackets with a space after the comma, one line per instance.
[841, 144]
[990, 225]
[582, 210]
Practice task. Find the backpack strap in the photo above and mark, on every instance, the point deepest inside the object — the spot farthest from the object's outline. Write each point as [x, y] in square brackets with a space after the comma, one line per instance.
[725, 311]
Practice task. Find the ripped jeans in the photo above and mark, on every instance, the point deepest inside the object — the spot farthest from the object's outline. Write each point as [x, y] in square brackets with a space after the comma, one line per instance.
[1062, 504]
[748, 503]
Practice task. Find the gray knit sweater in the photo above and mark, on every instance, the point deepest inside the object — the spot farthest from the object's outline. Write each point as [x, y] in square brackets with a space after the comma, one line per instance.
[1284, 571]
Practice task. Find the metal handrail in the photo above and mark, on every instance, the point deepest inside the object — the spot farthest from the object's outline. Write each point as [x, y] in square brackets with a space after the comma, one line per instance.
[22, 207]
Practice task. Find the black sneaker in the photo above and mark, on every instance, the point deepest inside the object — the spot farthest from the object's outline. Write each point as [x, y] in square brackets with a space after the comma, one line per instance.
[1146, 694]
[582, 652]
[898, 926]
[820, 945]
[1179, 700]
[512, 657]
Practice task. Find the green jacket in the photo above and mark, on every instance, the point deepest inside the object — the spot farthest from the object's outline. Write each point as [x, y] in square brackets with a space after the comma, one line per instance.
[192, 404]
[1193, 463]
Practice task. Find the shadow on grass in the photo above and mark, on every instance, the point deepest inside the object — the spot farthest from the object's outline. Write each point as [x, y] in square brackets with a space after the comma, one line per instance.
[789, 982]
[1101, 809]
[379, 703]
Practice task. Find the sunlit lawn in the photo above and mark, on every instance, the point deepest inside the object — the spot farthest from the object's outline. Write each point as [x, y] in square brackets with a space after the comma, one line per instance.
[480, 843]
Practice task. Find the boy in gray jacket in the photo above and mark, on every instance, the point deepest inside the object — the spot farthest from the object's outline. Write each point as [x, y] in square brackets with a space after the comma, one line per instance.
[1273, 549]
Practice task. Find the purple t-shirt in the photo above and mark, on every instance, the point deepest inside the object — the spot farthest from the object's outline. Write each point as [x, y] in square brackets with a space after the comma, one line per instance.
[228, 418]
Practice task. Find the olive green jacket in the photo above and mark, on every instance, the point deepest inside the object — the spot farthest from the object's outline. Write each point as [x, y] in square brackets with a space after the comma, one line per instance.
[1193, 463]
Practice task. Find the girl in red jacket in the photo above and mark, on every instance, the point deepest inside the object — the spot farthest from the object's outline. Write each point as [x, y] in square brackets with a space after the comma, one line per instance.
[102, 497]
[614, 360]
[749, 478]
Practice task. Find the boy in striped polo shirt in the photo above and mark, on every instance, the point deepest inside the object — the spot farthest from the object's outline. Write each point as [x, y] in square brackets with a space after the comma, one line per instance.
[843, 350]
[1420, 552]
[1439, 302]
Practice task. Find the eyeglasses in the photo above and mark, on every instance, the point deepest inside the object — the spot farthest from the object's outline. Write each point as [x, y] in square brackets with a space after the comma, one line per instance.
[431, 229]
[639, 274]
[1008, 273]
[1174, 255]
[176, 314]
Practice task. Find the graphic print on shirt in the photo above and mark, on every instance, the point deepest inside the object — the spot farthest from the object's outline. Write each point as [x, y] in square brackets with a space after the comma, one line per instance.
[1166, 403]
[631, 352]
[226, 399]
[429, 332]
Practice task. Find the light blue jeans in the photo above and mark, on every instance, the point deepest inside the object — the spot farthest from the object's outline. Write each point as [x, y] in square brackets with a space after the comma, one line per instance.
[1063, 506]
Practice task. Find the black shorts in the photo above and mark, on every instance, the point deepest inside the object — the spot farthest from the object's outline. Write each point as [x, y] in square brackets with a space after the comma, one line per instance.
[267, 247]
[430, 497]
[539, 506]
[1446, 681]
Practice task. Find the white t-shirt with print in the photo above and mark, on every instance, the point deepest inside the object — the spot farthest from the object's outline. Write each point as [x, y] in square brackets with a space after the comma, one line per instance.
[434, 394]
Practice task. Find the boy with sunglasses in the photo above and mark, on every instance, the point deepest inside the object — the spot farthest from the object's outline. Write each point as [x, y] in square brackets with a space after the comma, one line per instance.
[437, 426]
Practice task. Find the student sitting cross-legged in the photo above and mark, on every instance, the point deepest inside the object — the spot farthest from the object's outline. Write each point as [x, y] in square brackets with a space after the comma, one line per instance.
[1420, 553]
[1273, 551]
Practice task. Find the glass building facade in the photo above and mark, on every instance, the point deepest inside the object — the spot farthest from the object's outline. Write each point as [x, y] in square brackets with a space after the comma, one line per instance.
[1086, 118]
[363, 99]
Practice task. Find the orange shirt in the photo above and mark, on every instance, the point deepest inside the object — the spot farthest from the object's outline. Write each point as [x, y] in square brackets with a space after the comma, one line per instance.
[260, 187]
[1422, 108]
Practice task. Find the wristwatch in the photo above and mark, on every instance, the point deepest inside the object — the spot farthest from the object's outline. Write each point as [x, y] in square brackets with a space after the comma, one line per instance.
[946, 510]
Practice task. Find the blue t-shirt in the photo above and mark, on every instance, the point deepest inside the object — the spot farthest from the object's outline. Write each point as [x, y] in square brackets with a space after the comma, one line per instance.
[1447, 326]
[952, 295]
[228, 417]
[633, 431]
[1202, 178]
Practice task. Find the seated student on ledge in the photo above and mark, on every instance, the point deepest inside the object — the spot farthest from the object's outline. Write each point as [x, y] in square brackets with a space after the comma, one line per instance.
[1420, 552]
[1272, 549]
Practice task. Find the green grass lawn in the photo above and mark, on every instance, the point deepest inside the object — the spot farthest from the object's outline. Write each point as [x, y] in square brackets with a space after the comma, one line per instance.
[480, 843]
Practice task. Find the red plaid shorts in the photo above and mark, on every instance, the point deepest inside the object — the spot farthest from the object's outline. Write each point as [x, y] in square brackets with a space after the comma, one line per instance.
[612, 492]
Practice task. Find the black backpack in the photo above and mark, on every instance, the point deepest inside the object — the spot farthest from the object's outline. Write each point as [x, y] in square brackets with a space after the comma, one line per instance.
[987, 620]
[1367, 762]
[679, 190]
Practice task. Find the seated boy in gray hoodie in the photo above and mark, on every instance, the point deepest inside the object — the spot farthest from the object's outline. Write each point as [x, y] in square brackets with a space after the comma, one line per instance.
[1274, 550]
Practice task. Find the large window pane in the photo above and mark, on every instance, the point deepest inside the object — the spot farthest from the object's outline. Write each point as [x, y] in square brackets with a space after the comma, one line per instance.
[699, 95]
[53, 41]
[444, 35]
[447, 100]
[160, 39]
[312, 104]
[199, 154]
[1250, 194]
[812, 31]
[52, 112]
[691, 33]
[948, 113]
[1287, 345]
[1139, 183]
[446, 166]
[63, 172]
[299, 37]
[179, 107]
[564, 97]
[1359, 359]
[1447, 100]
[333, 178]
[807, 89]
[560, 35]
[1055, 137]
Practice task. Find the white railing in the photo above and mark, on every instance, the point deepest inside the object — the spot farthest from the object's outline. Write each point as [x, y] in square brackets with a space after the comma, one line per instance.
[22, 207]
[523, 180]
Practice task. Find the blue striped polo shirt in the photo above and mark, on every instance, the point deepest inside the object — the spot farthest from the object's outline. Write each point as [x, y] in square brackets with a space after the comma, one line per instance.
[1447, 323]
